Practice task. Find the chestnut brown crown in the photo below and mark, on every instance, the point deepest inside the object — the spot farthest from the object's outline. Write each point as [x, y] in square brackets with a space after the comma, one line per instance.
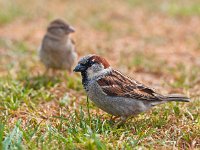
[91, 60]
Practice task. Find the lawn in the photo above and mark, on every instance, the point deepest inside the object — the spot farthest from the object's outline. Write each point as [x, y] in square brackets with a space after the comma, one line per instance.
[155, 42]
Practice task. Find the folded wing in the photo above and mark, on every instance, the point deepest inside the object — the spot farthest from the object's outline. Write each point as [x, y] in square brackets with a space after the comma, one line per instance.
[116, 84]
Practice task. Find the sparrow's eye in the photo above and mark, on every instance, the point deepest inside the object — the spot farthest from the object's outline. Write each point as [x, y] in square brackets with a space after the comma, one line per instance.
[88, 63]
[92, 62]
[84, 63]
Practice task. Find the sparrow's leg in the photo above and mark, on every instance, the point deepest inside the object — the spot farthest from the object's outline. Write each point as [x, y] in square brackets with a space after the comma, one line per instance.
[123, 119]
[70, 72]
[121, 122]
[46, 71]
[59, 73]
[54, 72]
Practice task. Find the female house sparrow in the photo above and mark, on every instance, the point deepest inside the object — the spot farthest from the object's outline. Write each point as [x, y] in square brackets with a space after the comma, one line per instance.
[57, 50]
[115, 93]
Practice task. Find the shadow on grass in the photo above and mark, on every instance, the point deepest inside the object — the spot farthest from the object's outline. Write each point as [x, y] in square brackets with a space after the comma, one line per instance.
[41, 81]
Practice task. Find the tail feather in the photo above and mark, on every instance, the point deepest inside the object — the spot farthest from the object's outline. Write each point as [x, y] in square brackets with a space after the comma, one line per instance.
[176, 97]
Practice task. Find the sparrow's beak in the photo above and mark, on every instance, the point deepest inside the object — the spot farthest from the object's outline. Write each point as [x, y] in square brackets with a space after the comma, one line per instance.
[79, 68]
[71, 29]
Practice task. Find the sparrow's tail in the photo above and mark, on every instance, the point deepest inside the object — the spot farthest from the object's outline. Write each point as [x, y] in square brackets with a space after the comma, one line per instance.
[169, 98]
[176, 97]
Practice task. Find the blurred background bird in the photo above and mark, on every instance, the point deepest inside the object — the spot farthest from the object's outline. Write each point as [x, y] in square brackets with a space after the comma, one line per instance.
[57, 51]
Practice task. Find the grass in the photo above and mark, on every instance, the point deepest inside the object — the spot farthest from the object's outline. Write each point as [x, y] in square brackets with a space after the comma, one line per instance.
[181, 9]
[9, 12]
[171, 7]
[139, 38]
[79, 131]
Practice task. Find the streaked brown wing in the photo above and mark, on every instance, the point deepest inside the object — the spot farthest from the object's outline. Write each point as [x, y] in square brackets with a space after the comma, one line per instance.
[115, 84]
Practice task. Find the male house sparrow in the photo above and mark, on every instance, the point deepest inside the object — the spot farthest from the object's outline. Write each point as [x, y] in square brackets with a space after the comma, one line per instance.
[115, 93]
[57, 50]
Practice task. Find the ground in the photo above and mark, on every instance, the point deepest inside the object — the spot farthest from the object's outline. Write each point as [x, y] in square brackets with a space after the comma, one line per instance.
[155, 42]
